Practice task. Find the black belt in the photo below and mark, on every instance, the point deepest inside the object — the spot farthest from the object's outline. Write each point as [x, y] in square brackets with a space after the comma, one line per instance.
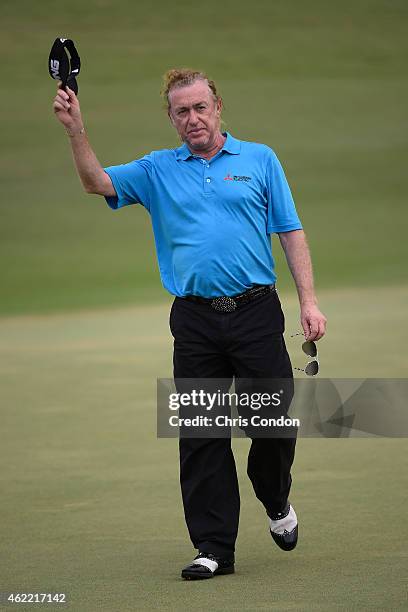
[225, 303]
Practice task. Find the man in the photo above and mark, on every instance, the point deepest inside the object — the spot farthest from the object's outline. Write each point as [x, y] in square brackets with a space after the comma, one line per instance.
[214, 202]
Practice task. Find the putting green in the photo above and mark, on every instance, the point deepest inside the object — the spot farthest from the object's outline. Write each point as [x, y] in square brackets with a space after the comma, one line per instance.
[90, 497]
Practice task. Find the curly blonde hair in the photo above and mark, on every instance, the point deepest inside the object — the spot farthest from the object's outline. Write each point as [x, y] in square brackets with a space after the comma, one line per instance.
[180, 77]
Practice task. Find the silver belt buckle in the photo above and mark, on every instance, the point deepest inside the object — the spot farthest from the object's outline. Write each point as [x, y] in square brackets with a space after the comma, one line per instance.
[224, 304]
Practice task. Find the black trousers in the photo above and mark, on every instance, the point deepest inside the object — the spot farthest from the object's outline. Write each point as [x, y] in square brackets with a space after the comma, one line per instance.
[246, 343]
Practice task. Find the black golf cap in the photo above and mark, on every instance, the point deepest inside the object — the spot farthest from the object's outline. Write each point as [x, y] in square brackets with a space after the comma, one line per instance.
[64, 63]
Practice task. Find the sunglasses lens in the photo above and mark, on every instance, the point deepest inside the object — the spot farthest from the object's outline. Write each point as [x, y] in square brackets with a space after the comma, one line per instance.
[312, 368]
[309, 348]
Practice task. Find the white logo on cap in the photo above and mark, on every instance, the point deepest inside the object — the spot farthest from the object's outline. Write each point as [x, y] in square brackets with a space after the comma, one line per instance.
[54, 65]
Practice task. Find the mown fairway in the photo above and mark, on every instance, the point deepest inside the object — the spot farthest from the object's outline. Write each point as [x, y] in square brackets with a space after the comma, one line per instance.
[90, 500]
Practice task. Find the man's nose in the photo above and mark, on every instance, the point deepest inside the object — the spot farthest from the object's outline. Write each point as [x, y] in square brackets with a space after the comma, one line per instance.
[193, 117]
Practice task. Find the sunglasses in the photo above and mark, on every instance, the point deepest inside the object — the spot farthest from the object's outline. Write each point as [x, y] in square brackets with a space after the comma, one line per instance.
[310, 349]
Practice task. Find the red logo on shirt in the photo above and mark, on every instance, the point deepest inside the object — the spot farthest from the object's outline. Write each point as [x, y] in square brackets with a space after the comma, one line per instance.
[244, 179]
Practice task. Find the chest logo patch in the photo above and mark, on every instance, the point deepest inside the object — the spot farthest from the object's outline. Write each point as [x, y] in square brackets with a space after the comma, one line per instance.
[243, 179]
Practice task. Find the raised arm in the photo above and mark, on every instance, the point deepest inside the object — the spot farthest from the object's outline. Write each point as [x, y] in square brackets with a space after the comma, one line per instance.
[298, 257]
[93, 177]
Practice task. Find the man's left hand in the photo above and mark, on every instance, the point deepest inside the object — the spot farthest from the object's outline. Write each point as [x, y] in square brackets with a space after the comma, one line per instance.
[313, 322]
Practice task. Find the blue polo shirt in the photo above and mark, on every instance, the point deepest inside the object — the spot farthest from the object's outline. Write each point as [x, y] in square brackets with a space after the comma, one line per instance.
[212, 219]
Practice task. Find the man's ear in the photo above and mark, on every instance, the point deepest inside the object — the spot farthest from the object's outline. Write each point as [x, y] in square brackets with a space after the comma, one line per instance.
[219, 106]
[171, 118]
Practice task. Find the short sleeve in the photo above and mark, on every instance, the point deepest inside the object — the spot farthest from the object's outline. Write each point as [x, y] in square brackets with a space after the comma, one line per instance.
[132, 183]
[282, 215]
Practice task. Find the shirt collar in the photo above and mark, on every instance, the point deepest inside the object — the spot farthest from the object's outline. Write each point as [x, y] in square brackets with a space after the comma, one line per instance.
[231, 145]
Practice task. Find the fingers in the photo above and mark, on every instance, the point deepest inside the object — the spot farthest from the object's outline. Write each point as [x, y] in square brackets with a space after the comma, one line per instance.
[62, 101]
[67, 94]
[312, 331]
[319, 333]
[314, 327]
[322, 328]
[306, 328]
[306, 321]
[58, 107]
[72, 96]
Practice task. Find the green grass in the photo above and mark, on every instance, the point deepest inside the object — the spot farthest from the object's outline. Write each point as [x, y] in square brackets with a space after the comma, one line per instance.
[90, 498]
[325, 86]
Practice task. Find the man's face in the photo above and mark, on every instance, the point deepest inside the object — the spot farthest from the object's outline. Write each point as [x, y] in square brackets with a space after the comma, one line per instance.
[195, 114]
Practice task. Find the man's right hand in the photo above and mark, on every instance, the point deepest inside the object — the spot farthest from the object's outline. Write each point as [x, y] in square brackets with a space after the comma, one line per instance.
[67, 110]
